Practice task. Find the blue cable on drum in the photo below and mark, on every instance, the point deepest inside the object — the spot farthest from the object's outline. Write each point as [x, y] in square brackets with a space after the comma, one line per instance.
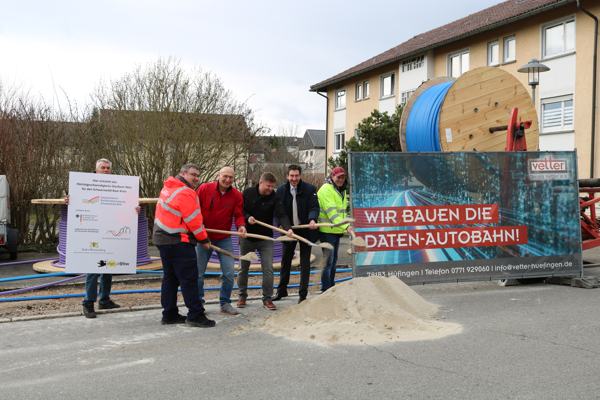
[422, 127]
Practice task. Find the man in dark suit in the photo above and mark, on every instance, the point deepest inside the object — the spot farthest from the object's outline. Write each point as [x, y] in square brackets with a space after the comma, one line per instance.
[301, 205]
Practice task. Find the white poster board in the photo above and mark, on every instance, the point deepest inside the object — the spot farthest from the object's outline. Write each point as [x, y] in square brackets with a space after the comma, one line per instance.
[102, 223]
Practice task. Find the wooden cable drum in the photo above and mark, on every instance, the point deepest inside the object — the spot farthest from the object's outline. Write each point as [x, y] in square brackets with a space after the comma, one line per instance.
[455, 115]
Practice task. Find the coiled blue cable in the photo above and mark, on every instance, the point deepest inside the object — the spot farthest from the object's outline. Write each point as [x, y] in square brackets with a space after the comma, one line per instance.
[422, 127]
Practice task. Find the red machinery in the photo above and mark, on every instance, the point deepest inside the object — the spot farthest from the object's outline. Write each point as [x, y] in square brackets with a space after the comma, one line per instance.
[588, 188]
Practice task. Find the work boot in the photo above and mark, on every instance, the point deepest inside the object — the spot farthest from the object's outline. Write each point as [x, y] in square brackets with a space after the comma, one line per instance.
[268, 304]
[179, 319]
[228, 309]
[301, 299]
[241, 303]
[200, 322]
[88, 310]
[108, 305]
[280, 295]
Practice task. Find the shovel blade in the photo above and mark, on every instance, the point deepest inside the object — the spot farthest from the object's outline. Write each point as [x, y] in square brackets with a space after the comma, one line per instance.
[251, 256]
[359, 242]
[327, 246]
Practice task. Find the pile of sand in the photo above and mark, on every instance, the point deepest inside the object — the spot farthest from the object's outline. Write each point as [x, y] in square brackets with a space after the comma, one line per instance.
[372, 310]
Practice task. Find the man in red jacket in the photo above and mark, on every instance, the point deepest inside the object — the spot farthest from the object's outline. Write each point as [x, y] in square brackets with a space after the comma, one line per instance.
[177, 228]
[221, 204]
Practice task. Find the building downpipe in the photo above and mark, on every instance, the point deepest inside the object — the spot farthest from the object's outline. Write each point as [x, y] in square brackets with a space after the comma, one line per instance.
[326, 128]
[594, 79]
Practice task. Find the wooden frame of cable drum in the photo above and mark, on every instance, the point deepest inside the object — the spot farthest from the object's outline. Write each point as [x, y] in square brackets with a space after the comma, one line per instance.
[479, 99]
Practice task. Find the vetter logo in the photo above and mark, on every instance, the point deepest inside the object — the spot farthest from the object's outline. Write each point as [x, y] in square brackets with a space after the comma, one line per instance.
[548, 165]
[541, 169]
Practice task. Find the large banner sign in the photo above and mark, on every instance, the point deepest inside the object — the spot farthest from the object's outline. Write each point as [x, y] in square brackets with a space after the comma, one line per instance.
[102, 223]
[434, 217]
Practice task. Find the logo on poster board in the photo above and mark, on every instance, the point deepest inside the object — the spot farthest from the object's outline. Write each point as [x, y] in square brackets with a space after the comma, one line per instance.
[112, 263]
[548, 168]
[91, 200]
[123, 231]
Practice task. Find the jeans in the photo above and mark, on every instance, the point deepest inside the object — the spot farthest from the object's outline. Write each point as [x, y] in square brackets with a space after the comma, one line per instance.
[286, 266]
[91, 288]
[265, 249]
[227, 269]
[180, 270]
[328, 274]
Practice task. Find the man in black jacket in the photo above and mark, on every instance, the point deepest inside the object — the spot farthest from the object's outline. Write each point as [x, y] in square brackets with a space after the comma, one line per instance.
[301, 205]
[260, 203]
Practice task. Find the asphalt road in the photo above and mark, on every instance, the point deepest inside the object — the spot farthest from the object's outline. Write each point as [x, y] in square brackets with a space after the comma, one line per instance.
[521, 342]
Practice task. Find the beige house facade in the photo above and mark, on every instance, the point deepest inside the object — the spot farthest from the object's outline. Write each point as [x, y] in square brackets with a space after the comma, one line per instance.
[559, 33]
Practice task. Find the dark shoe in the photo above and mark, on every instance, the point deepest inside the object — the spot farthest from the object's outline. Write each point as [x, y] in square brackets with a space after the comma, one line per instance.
[268, 304]
[108, 305]
[301, 299]
[88, 310]
[200, 322]
[279, 296]
[241, 303]
[179, 319]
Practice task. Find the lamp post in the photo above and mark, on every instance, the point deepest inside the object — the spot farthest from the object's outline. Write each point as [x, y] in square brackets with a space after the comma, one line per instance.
[533, 69]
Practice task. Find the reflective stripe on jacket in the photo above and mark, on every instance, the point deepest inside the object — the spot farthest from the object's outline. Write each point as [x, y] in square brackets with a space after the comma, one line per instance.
[178, 213]
[334, 208]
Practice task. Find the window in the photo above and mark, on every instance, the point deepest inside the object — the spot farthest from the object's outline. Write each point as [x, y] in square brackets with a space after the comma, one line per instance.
[493, 53]
[510, 49]
[362, 91]
[559, 38]
[358, 94]
[387, 85]
[340, 99]
[557, 114]
[458, 63]
[339, 141]
[404, 96]
[413, 63]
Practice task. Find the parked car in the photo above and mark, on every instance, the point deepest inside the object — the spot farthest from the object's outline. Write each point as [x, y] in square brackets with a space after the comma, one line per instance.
[8, 235]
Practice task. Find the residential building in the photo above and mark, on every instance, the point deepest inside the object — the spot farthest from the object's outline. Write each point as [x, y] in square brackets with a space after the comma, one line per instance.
[273, 154]
[559, 33]
[312, 151]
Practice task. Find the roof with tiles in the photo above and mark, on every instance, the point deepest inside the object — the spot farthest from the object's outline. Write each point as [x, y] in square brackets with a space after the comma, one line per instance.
[484, 20]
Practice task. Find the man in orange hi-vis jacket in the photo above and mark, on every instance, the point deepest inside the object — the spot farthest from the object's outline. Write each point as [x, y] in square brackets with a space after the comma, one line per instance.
[177, 229]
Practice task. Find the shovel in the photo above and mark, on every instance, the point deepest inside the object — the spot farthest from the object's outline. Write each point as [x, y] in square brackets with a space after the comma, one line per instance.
[297, 237]
[251, 256]
[252, 235]
[328, 224]
[357, 241]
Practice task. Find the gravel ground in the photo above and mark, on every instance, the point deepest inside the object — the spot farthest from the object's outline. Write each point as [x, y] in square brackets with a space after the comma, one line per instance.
[10, 310]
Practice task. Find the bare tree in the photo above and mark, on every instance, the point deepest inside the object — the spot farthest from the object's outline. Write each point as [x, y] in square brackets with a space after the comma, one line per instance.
[149, 123]
[153, 120]
[36, 155]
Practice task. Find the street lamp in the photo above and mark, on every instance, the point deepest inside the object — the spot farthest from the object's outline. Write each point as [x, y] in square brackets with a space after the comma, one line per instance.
[533, 69]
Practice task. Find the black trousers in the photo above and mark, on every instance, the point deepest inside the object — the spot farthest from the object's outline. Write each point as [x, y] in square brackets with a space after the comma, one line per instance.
[286, 266]
[180, 270]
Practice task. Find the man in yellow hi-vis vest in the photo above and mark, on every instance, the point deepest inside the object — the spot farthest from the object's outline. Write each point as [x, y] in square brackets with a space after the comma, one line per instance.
[333, 201]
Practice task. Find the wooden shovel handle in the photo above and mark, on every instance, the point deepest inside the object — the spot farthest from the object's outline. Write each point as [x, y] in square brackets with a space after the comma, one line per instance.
[297, 237]
[223, 251]
[252, 235]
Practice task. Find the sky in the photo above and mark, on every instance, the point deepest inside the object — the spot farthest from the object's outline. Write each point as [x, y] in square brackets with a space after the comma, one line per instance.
[267, 52]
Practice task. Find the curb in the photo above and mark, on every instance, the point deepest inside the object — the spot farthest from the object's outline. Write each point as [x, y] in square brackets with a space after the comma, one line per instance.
[113, 311]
